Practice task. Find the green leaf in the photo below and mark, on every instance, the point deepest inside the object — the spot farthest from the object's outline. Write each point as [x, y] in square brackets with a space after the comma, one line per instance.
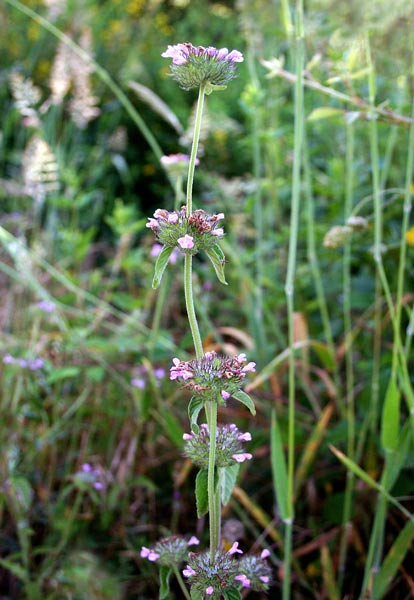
[324, 112]
[228, 477]
[246, 400]
[14, 568]
[165, 573]
[201, 492]
[218, 260]
[279, 470]
[231, 594]
[391, 417]
[393, 561]
[162, 262]
[195, 593]
[194, 408]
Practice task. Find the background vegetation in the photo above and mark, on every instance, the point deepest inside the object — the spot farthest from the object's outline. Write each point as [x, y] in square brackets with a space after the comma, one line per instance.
[83, 375]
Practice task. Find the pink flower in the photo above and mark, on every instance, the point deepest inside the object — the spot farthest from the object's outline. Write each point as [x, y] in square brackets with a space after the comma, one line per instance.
[186, 241]
[150, 554]
[188, 572]
[152, 224]
[225, 395]
[245, 437]
[244, 580]
[172, 218]
[193, 541]
[235, 56]
[265, 553]
[264, 578]
[179, 54]
[251, 366]
[235, 549]
[209, 590]
[187, 437]
[178, 371]
[219, 231]
[242, 457]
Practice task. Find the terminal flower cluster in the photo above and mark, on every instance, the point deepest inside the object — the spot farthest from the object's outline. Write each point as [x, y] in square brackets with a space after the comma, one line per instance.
[229, 446]
[213, 377]
[195, 66]
[170, 551]
[198, 231]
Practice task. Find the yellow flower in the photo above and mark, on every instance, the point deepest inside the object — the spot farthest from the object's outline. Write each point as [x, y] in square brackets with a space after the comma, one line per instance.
[409, 237]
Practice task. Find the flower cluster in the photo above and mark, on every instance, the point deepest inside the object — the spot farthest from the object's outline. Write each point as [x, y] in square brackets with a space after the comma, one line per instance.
[170, 551]
[33, 364]
[190, 234]
[213, 377]
[211, 578]
[141, 376]
[193, 66]
[88, 475]
[255, 573]
[229, 447]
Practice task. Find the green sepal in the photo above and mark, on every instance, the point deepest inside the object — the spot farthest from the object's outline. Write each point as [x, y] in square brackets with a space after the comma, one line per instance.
[228, 477]
[160, 265]
[231, 594]
[194, 408]
[195, 593]
[165, 573]
[246, 400]
[201, 492]
[218, 260]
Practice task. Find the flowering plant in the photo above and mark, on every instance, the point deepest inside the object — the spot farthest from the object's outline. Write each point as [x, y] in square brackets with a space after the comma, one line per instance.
[212, 379]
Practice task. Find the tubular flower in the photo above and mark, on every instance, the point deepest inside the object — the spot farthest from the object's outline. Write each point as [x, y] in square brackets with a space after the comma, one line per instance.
[213, 377]
[193, 66]
[229, 446]
[190, 234]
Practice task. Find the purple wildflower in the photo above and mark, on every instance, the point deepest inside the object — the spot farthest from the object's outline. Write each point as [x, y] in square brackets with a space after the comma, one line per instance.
[8, 359]
[138, 382]
[229, 446]
[209, 590]
[46, 306]
[212, 377]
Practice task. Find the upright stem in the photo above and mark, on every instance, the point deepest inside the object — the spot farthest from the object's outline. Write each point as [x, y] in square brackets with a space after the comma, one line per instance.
[289, 290]
[214, 505]
[194, 148]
